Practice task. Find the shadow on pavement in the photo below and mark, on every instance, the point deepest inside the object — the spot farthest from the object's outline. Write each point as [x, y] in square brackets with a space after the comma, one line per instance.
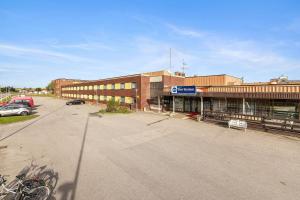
[37, 172]
[68, 189]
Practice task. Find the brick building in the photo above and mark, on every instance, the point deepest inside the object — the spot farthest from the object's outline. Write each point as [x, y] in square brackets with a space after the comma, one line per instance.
[134, 91]
[221, 93]
[58, 83]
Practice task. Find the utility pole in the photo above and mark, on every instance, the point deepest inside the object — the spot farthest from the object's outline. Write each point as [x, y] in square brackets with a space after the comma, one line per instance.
[170, 66]
[183, 66]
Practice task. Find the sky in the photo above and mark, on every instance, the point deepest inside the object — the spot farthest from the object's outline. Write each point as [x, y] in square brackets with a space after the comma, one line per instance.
[48, 39]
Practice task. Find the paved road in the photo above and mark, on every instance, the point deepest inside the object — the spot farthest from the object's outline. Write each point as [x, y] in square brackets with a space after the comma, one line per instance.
[147, 156]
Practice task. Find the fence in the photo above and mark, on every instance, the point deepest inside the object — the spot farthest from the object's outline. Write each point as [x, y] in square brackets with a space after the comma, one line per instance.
[259, 122]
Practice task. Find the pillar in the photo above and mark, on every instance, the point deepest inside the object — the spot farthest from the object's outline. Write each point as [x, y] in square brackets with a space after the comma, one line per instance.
[201, 105]
[244, 107]
[158, 99]
[173, 104]
[225, 104]
[299, 109]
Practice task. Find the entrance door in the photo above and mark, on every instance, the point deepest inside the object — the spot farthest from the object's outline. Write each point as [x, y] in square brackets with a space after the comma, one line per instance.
[195, 107]
[187, 104]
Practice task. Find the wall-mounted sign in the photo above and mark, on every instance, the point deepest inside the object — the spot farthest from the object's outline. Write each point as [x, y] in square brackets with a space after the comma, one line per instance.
[191, 90]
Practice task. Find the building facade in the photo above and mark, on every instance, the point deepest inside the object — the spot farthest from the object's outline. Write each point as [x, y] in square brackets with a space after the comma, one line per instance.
[58, 83]
[134, 91]
[216, 93]
[267, 100]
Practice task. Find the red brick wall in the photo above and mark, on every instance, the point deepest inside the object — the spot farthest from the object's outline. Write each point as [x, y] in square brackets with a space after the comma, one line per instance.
[142, 83]
[172, 81]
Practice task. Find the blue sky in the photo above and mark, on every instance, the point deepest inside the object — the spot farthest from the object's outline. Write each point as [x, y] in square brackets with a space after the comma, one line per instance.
[43, 40]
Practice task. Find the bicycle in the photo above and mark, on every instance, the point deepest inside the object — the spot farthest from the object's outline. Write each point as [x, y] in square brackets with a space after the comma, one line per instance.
[24, 189]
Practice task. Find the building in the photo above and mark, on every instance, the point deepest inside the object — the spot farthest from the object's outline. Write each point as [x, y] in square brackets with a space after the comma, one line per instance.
[268, 100]
[216, 93]
[58, 83]
[213, 80]
[134, 91]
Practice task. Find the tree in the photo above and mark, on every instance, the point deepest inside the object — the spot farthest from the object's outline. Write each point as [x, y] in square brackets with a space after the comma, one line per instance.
[38, 89]
[8, 89]
[50, 86]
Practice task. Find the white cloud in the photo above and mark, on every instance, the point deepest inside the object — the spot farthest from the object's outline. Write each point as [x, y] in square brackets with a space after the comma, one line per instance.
[213, 49]
[186, 32]
[83, 46]
[35, 53]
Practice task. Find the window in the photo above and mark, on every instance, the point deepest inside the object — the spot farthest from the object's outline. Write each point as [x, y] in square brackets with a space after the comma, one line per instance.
[105, 97]
[122, 100]
[133, 85]
[113, 86]
[104, 87]
[113, 98]
[122, 85]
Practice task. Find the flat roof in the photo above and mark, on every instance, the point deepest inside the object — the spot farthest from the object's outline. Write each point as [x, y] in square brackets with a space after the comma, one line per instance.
[213, 75]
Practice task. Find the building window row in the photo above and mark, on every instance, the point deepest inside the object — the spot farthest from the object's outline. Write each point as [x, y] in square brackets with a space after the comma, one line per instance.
[113, 86]
[121, 99]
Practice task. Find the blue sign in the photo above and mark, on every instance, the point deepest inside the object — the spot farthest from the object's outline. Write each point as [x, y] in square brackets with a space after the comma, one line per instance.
[191, 90]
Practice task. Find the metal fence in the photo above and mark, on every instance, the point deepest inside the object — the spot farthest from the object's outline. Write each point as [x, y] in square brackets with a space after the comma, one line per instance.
[255, 121]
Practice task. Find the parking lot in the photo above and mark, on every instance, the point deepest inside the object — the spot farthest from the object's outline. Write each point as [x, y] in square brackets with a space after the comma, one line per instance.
[148, 156]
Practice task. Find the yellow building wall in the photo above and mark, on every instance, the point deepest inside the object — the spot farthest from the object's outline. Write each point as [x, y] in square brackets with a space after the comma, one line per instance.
[117, 86]
[117, 98]
[127, 85]
[128, 100]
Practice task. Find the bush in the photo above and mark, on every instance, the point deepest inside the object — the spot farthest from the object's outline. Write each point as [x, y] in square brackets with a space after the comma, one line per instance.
[115, 107]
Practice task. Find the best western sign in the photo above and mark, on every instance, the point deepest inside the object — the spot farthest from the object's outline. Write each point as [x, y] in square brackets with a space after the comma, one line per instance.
[182, 90]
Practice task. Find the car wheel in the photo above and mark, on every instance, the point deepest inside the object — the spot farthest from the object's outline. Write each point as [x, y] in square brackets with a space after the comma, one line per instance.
[24, 113]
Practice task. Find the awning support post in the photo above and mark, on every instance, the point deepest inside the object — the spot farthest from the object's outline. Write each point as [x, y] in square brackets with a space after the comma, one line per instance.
[244, 107]
[201, 106]
[158, 99]
[173, 105]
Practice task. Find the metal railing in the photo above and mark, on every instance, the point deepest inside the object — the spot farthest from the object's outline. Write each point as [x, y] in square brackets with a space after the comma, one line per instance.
[259, 122]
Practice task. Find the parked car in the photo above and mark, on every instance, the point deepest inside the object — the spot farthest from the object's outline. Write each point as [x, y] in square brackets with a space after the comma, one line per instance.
[14, 109]
[24, 103]
[21, 100]
[3, 103]
[75, 102]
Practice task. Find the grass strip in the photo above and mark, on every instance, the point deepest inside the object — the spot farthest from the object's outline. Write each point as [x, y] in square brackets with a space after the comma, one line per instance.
[14, 119]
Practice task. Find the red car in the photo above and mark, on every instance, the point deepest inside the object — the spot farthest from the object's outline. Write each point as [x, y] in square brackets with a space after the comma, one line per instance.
[28, 100]
[3, 103]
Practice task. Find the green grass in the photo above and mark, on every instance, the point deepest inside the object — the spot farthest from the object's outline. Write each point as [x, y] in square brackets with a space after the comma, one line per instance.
[7, 99]
[14, 119]
[114, 112]
[42, 95]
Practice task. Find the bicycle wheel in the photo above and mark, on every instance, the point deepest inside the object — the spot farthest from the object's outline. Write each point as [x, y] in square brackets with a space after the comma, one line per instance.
[33, 189]
[40, 193]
